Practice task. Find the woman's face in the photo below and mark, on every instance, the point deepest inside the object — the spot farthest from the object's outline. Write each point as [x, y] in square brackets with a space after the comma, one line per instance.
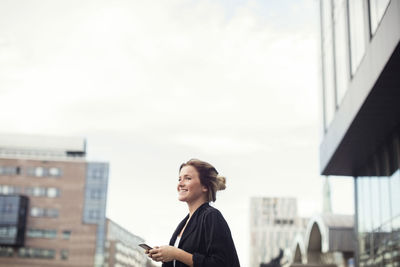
[189, 187]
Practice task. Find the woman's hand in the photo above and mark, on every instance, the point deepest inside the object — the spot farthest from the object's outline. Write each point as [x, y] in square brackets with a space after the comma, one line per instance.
[163, 253]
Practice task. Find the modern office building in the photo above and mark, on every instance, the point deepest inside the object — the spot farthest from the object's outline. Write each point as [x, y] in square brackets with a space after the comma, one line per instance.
[52, 203]
[122, 248]
[273, 225]
[360, 56]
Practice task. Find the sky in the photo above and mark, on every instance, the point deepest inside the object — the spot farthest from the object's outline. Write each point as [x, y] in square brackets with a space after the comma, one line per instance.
[152, 84]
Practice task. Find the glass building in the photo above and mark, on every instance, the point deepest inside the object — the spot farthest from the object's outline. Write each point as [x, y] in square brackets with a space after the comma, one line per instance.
[360, 67]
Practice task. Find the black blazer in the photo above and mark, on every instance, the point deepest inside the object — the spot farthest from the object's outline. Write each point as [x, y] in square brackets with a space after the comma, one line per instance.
[208, 238]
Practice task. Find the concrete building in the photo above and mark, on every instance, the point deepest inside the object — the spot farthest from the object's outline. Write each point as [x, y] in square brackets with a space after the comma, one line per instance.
[122, 248]
[274, 223]
[328, 241]
[361, 118]
[64, 213]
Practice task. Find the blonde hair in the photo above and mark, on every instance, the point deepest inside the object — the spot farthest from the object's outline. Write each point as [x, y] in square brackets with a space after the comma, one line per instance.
[209, 177]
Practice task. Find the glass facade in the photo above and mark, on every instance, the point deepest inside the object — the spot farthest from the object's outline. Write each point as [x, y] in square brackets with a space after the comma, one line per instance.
[344, 36]
[95, 203]
[13, 211]
[378, 209]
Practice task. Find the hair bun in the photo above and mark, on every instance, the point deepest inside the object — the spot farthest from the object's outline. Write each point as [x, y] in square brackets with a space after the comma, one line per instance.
[221, 182]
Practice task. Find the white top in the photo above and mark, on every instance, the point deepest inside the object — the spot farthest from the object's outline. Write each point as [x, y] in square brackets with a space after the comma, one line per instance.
[178, 238]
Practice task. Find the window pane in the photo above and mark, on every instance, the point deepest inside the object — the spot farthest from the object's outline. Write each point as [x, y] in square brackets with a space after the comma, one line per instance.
[395, 201]
[341, 49]
[385, 202]
[329, 84]
[64, 254]
[54, 171]
[357, 33]
[39, 171]
[365, 218]
[328, 62]
[52, 192]
[377, 10]
[375, 202]
[66, 234]
[360, 204]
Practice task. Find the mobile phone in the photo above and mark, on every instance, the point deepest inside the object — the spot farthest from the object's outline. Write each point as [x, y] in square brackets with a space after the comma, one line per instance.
[145, 246]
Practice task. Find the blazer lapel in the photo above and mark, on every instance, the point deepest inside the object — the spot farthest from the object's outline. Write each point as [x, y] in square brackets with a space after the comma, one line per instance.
[188, 230]
[191, 226]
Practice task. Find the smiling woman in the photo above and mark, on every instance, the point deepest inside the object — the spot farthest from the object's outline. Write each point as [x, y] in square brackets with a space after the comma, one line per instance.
[203, 237]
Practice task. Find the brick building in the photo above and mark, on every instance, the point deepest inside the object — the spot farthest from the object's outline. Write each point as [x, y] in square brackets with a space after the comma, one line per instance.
[63, 221]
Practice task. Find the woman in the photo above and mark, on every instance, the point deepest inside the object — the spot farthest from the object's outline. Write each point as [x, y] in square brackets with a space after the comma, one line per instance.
[203, 238]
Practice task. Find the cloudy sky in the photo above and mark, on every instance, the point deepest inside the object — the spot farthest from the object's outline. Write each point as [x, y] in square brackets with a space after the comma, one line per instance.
[151, 84]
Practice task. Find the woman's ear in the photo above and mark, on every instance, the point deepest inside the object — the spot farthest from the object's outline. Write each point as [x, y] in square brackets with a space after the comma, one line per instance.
[204, 188]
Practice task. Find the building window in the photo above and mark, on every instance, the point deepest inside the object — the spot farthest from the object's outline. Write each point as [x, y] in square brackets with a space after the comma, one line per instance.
[42, 212]
[95, 194]
[44, 172]
[50, 192]
[39, 171]
[66, 234]
[54, 171]
[97, 174]
[9, 190]
[37, 212]
[341, 49]
[7, 208]
[378, 209]
[357, 33]
[8, 232]
[39, 253]
[6, 252]
[328, 66]
[64, 254]
[377, 10]
[41, 233]
[94, 214]
[51, 213]
[10, 170]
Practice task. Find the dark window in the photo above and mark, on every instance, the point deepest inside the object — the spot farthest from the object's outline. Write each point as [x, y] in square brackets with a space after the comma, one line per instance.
[6, 251]
[66, 234]
[64, 254]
